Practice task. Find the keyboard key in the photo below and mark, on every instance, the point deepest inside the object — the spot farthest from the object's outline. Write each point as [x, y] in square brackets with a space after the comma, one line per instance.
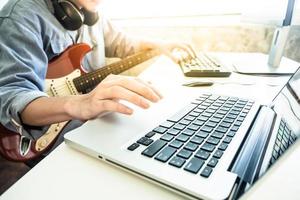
[202, 134]
[227, 139]
[206, 129]
[211, 124]
[190, 118]
[167, 124]
[177, 161]
[184, 122]
[176, 144]
[145, 141]
[228, 120]
[194, 165]
[183, 112]
[206, 172]
[167, 137]
[179, 126]
[202, 154]
[160, 130]
[182, 138]
[231, 133]
[225, 124]
[213, 140]
[150, 134]
[234, 128]
[217, 134]
[208, 147]
[184, 153]
[191, 146]
[173, 131]
[165, 154]
[188, 132]
[218, 154]
[197, 140]
[223, 146]
[193, 127]
[133, 146]
[221, 129]
[212, 162]
[154, 148]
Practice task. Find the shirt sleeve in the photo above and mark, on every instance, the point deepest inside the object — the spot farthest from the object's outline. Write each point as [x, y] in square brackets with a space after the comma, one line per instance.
[117, 43]
[22, 71]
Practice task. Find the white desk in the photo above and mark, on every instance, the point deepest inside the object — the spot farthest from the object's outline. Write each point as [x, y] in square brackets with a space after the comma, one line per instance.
[68, 174]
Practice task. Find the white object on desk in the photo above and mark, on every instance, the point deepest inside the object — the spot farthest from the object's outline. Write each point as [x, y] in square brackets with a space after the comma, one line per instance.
[259, 65]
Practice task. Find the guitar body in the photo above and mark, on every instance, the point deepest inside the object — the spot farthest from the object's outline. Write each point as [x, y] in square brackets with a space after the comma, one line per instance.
[61, 71]
[65, 77]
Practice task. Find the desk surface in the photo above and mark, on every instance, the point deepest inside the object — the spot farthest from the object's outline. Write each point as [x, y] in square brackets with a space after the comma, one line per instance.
[66, 173]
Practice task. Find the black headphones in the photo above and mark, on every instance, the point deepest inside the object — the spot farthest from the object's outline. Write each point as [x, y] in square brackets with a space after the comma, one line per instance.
[71, 17]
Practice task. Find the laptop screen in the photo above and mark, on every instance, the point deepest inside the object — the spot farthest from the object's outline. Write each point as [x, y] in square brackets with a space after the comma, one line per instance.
[287, 103]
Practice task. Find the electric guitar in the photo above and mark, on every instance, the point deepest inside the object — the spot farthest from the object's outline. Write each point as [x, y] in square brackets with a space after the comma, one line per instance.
[65, 76]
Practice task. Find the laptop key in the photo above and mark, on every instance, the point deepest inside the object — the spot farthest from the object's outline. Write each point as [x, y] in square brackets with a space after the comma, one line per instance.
[177, 161]
[183, 112]
[218, 154]
[165, 154]
[133, 146]
[202, 154]
[191, 146]
[167, 124]
[176, 144]
[167, 137]
[206, 172]
[197, 140]
[208, 147]
[194, 165]
[145, 141]
[182, 138]
[150, 134]
[151, 150]
[184, 153]
[223, 146]
[160, 130]
[212, 162]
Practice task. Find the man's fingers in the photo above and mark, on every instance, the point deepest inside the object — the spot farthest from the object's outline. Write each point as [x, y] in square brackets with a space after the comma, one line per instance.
[113, 106]
[134, 85]
[149, 84]
[118, 92]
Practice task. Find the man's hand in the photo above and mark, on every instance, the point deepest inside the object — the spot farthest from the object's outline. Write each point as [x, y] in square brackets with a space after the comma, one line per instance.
[105, 97]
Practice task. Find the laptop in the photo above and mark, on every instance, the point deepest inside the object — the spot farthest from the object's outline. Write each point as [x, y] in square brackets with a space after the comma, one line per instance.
[214, 147]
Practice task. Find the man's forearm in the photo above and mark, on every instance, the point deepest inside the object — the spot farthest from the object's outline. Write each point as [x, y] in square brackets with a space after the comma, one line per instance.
[46, 110]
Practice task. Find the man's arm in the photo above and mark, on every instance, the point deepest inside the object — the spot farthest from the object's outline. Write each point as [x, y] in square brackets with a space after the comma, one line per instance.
[105, 97]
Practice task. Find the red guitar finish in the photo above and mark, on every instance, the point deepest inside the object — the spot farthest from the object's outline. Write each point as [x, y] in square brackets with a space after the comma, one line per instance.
[62, 65]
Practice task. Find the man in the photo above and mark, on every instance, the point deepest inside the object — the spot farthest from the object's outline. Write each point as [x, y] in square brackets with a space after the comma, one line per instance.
[32, 32]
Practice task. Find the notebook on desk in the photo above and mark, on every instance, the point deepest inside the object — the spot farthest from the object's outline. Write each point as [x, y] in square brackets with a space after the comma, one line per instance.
[213, 148]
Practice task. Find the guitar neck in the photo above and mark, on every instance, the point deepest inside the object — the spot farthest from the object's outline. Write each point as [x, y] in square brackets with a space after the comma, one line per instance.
[88, 81]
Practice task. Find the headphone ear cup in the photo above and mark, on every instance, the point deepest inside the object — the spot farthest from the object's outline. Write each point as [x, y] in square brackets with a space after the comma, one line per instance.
[90, 18]
[68, 15]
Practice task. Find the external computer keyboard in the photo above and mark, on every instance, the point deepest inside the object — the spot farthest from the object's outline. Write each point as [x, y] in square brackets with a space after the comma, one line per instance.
[203, 66]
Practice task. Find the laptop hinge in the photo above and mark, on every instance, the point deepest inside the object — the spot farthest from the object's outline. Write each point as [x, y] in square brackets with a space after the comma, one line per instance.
[249, 159]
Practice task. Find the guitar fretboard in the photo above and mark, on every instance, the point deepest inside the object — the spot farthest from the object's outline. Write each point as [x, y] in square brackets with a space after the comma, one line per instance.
[88, 81]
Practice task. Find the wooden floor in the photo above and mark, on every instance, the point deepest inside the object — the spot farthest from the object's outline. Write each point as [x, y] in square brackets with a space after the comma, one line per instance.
[10, 172]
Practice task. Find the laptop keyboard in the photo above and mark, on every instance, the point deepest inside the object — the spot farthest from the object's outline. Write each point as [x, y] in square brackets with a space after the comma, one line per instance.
[285, 137]
[196, 137]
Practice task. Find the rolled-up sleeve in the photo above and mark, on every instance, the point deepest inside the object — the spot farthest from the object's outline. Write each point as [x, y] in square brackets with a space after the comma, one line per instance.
[117, 43]
[23, 66]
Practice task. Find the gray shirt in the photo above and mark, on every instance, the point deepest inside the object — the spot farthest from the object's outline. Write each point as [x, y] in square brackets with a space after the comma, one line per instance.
[30, 36]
